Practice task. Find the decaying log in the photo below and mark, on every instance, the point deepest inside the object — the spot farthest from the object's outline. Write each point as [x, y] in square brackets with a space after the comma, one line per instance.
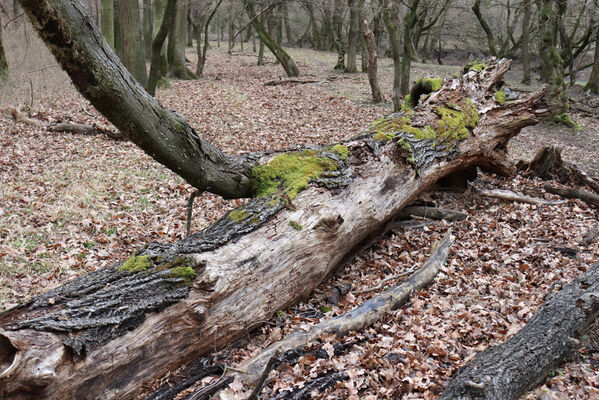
[589, 236]
[318, 384]
[85, 129]
[548, 164]
[433, 213]
[361, 317]
[105, 334]
[546, 341]
[570, 193]
[522, 198]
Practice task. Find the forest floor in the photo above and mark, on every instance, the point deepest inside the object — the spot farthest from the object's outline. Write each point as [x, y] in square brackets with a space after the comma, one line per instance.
[70, 204]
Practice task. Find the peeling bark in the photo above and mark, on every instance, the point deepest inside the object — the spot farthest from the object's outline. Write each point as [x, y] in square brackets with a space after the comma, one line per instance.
[105, 334]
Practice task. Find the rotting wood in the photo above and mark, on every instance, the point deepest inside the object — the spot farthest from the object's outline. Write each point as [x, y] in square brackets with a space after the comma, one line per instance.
[509, 195]
[549, 339]
[319, 384]
[589, 236]
[86, 129]
[171, 303]
[570, 193]
[357, 319]
[433, 213]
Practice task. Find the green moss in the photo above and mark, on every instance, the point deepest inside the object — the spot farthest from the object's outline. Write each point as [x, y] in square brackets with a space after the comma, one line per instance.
[339, 149]
[325, 309]
[296, 225]
[475, 66]
[186, 273]
[136, 263]
[500, 97]
[420, 133]
[451, 126]
[291, 172]
[238, 215]
[407, 103]
[566, 120]
[435, 83]
[471, 116]
[383, 136]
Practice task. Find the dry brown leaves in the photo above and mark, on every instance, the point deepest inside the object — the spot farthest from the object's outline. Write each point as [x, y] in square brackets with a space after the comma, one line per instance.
[71, 204]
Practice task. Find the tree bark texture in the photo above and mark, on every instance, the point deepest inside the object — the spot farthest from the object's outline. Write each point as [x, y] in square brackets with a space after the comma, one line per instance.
[177, 38]
[526, 44]
[377, 94]
[593, 83]
[105, 334]
[548, 339]
[3, 63]
[408, 47]
[79, 48]
[131, 48]
[148, 24]
[108, 21]
[168, 17]
[396, 57]
[353, 35]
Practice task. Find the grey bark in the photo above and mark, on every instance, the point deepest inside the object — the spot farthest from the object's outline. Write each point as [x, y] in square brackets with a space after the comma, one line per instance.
[130, 45]
[177, 39]
[548, 339]
[526, 44]
[158, 44]
[3, 63]
[108, 21]
[593, 83]
[353, 35]
[377, 94]
[148, 23]
[396, 57]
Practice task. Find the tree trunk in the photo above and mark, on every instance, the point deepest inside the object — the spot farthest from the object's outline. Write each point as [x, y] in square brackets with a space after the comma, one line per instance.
[353, 36]
[285, 16]
[281, 55]
[507, 371]
[593, 83]
[159, 7]
[396, 58]
[148, 27]
[177, 38]
[108, 21]
[3, 63]
[338, 38]
[130, 39]
[204, 52]
[106, 334]
[158, 44]
[408, 47]
[526, 44]
[488, 31]
[377, 95]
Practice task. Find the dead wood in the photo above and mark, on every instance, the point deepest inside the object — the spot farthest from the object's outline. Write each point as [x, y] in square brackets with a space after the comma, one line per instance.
[506, 371]
[361, 317]
[318, 384]
[292, 81]
[548, 164]
[85, 129]
[207, 392]
[169, 304]
[433, 213]
[508, 195]
[570, 193]
[589, 236]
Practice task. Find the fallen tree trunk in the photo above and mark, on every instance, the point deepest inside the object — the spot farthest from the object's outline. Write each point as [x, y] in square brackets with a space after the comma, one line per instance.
[570, 193]
[105, 334]
[506, 371]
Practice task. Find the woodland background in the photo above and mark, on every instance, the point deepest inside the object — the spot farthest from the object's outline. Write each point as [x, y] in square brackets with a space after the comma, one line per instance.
[72, 203]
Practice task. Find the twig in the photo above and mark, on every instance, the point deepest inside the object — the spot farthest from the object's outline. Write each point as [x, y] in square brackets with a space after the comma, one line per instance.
[269, 366]
[190, 210]
[13, 18]
[380, 285]
[589, 236]
[513, 196]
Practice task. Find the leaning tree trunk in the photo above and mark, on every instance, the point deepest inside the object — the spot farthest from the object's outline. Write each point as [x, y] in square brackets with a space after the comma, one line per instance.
[107, 333]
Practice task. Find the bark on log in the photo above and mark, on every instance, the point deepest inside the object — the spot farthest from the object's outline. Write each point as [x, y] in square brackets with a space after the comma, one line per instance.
[105, 334]
[355, 320]
[570, 193]
[508, 370]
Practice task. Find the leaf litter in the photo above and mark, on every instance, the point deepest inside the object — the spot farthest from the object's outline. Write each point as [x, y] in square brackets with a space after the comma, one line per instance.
[71, 204]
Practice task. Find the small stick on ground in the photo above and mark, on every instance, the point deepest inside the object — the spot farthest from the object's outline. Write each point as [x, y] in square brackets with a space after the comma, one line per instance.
[319, 384]
[359, 318]
[522, 198]
[433, 213]
[269, 366]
